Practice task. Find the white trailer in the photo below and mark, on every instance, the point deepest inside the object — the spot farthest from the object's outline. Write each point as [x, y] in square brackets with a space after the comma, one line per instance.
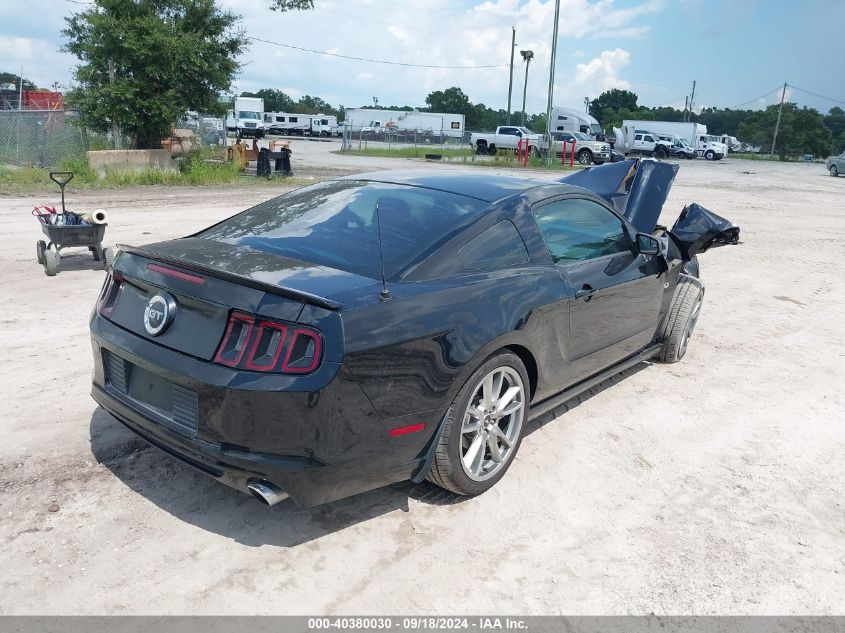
[404, 122]
[299, 124]
[247, 118]
[570, 120]
[706, 145]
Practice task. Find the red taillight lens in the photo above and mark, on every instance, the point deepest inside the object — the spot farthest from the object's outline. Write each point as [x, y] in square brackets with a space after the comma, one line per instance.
[233, 347]
[110, 294]
[303, 354]
[258, 344]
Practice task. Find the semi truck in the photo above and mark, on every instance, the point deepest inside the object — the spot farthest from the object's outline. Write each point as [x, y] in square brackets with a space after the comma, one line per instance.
[695, 134]
[299, 124]
[246, 118]
[434, 124]
[570, 120]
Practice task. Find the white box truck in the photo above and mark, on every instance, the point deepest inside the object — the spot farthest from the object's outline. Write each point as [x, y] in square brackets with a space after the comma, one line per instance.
[428, 124]
[706, 145]
[247, 117]
[299, 124]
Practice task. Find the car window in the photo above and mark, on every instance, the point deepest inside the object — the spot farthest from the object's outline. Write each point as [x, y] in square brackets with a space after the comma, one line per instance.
[576, 229]
[335, 224]
[509, 131]
[498, 246]
[638, 137]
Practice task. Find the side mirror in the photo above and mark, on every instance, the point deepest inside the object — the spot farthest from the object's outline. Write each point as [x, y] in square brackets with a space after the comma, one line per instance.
[647, 244]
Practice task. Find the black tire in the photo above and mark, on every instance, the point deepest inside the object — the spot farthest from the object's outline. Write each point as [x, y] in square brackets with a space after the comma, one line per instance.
[481, 148]
[682, 317]
[51, 262]
[40, 248]
[834, 171]
[491, 150]
[447, 470]
[710, 154]
[108, 258]
[660, 153]
[94, 253]
[585, 157]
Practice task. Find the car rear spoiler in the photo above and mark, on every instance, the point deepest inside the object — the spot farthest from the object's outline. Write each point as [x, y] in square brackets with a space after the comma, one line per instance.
[282, 291]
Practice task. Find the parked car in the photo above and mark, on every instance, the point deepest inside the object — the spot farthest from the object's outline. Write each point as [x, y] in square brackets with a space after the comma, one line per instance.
[394, 325]
[586, 149]
[836, 164]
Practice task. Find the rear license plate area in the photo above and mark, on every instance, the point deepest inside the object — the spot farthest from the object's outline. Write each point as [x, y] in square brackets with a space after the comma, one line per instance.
[152, 395]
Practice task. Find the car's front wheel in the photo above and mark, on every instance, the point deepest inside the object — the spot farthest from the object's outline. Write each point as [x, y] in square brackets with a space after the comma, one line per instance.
[834, 171]
[682, 317]
[585, 157]
[483, 427]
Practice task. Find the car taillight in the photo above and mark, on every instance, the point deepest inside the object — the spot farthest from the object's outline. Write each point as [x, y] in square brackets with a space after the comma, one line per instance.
[110, 294]
[257, 344]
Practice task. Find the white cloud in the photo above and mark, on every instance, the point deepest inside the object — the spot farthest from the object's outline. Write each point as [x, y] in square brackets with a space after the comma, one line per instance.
[434, 32]
[602, 72]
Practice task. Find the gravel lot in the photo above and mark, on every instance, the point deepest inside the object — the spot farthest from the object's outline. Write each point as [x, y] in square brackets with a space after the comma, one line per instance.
[715, 485]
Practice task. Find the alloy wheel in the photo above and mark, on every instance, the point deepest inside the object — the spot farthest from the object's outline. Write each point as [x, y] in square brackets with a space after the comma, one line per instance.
[492, 423]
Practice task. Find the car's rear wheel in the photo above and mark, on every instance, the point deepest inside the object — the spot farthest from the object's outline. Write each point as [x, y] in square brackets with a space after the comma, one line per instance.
[660, 153]
[683, 315]
[834, 171]
[483, 427]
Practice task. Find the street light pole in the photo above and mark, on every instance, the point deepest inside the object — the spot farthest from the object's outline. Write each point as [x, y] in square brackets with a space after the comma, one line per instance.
[552, 85]
[527, 56]
[510, 82]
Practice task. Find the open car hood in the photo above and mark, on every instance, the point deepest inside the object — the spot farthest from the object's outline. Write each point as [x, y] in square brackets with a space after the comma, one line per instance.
[638, 188]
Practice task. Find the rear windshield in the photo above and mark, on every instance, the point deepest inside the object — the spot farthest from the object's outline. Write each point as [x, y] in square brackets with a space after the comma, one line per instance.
[334, 224]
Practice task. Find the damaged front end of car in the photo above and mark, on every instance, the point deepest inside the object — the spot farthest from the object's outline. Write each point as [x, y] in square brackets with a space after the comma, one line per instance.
[638, 188]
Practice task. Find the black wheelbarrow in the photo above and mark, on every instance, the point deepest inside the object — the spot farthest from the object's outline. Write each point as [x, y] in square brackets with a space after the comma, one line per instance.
[68, 229]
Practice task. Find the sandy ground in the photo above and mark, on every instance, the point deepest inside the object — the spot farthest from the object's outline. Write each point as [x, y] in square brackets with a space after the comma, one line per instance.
[711, 486]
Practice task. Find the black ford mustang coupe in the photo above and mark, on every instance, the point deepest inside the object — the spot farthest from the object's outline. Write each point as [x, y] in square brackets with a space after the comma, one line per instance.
[394, 325]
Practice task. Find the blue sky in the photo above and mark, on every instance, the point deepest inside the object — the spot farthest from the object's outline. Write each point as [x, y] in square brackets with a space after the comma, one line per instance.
[736, 51]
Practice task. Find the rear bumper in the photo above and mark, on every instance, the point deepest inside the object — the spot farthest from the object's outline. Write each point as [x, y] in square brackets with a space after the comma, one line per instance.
[316, 441]
[307, 482]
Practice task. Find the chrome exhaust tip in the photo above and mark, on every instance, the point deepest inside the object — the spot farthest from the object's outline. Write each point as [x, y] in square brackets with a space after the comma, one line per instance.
[267, 493]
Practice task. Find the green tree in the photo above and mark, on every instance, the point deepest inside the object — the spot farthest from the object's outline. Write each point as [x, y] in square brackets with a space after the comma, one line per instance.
[801, 131]
[12, 78]
[291, 5]
[835, 122]
[168, 56]
[274, 100]
[614, 99]
[452, 100]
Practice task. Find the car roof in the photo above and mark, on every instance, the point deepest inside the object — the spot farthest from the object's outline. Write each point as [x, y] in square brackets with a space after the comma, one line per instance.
[488, 187]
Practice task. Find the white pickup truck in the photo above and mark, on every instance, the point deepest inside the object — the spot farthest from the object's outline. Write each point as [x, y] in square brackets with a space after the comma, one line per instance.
[586, 149]
[506, 137]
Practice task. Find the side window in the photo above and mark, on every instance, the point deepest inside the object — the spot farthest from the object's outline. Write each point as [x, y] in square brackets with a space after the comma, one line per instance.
[638, 137]
[648, 139]
[280, 119]
[498, 246]
[509, 131]
[292, 119]
[585, 129]
[576, 229]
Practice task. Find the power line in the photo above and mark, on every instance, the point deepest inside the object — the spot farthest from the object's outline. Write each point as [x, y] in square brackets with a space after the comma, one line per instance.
[816, 95]
[736, 107]
[369, 19]
[376, 61]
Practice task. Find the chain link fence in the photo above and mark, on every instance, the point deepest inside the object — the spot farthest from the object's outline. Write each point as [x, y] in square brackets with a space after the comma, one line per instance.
[41, 138]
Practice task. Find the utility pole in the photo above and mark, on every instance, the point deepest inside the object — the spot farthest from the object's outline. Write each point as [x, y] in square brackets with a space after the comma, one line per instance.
[527, 56]
[686, 105]
[20, 91]
[510, 81]
[114, 129]
[691, 99]
[549, 152]
[777, 124]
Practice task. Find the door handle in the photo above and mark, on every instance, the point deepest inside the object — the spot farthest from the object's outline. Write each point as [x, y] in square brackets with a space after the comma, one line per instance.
[585, 293]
